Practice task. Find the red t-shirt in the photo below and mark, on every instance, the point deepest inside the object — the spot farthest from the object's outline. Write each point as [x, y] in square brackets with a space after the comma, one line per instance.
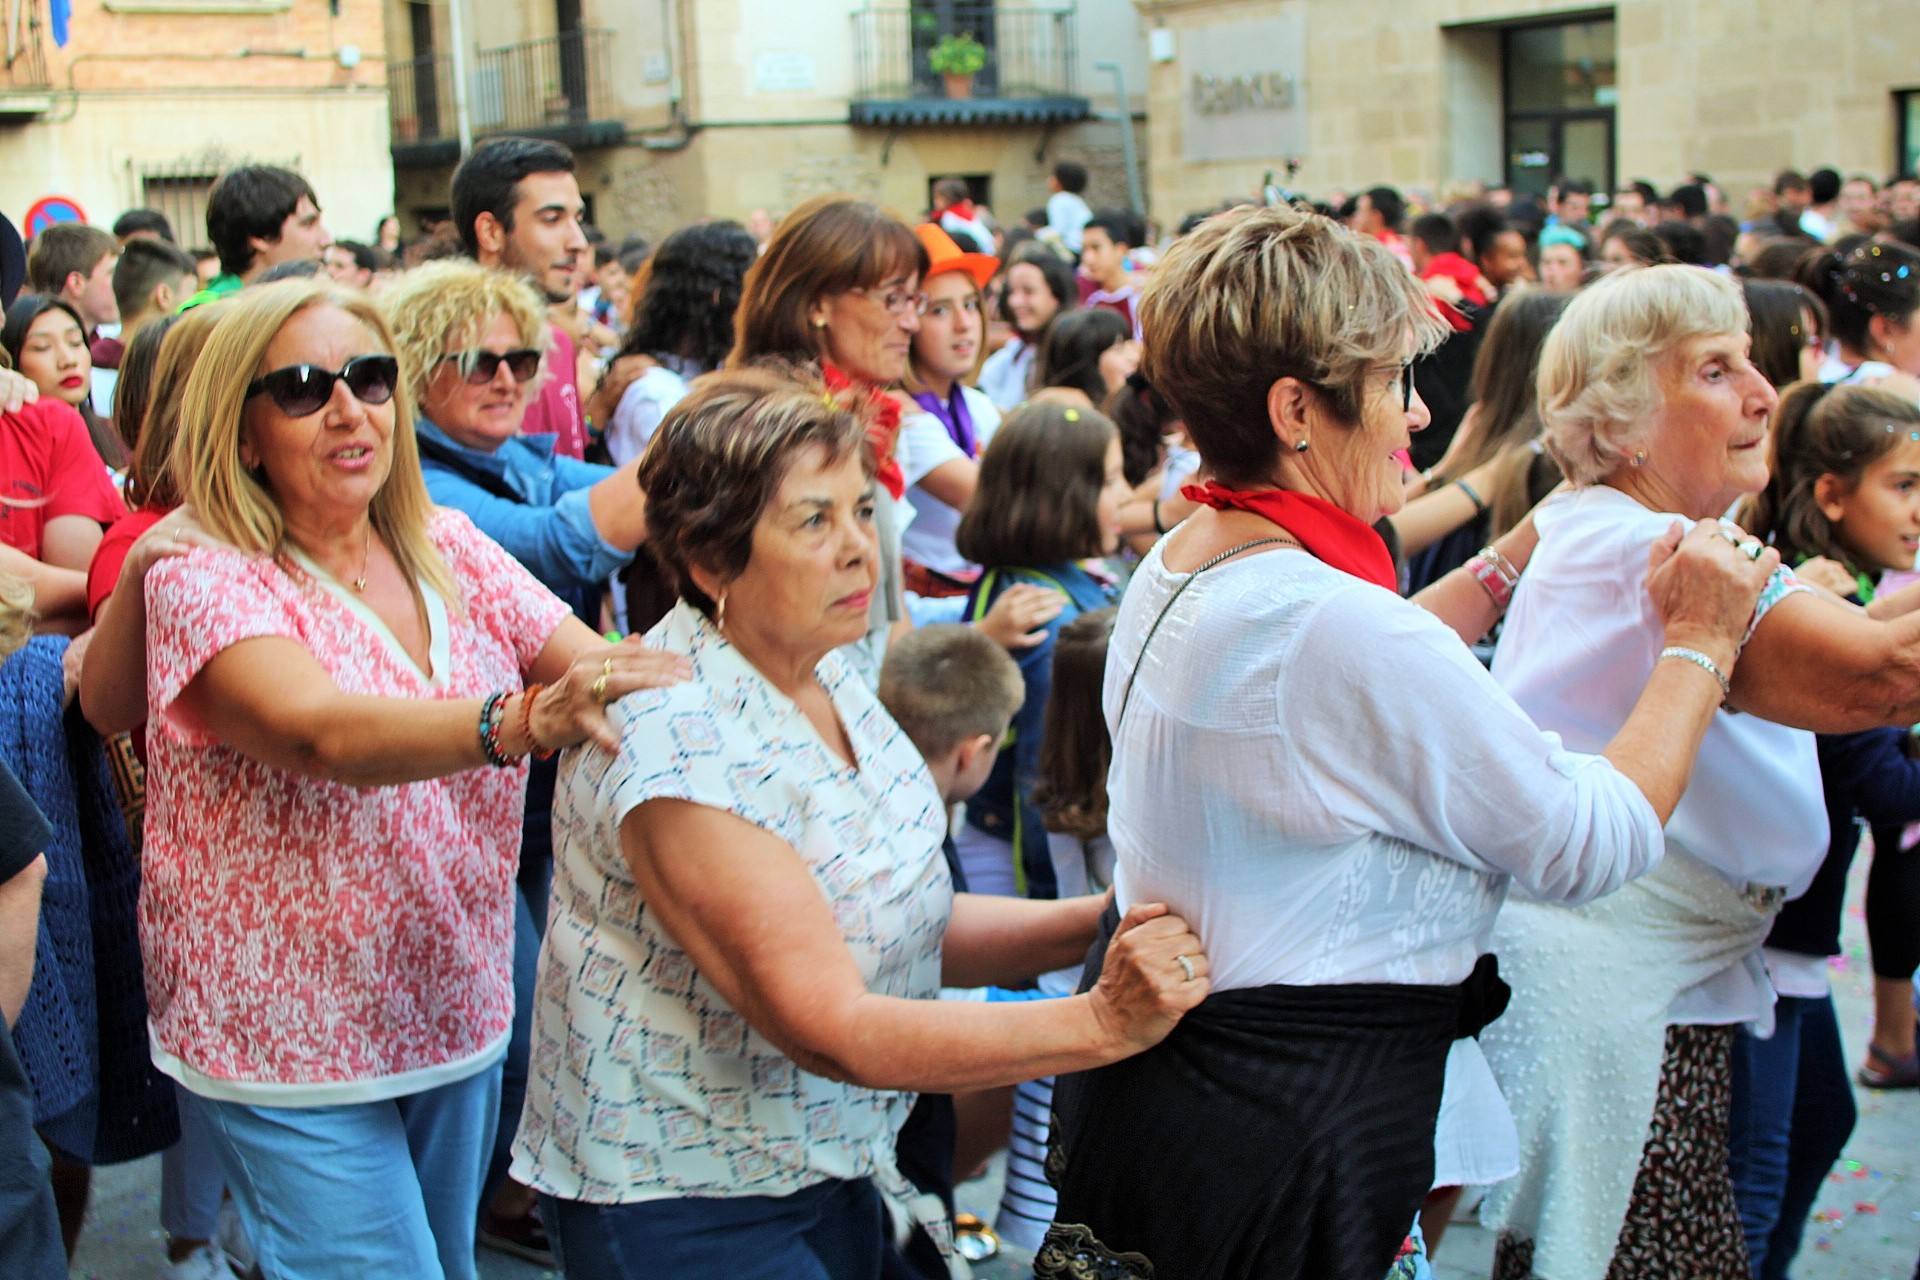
[49, 468]
[109, 557]
[557, 410]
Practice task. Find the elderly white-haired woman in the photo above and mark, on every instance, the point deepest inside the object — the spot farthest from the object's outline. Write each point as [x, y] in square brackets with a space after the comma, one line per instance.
[1615, 1052]
[1320, 778]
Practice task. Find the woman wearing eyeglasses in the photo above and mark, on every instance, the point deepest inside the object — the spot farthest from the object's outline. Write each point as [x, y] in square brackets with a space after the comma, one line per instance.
[341, 701]
[840, 286]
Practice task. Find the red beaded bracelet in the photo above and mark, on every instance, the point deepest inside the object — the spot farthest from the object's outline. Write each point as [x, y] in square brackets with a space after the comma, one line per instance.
[526, 723]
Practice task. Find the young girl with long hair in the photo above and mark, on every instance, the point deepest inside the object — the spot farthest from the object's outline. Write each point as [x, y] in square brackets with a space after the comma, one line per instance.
[1049, 498]
[1037, 287]
[1845, 486]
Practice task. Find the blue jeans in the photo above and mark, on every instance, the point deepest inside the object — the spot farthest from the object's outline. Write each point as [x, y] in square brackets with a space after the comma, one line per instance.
[1792, 1114]
[832, 1231]
[191, 1184]
[371, 1189]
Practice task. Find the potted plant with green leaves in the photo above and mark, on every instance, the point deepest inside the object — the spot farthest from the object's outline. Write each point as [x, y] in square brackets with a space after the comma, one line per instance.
[957, 59]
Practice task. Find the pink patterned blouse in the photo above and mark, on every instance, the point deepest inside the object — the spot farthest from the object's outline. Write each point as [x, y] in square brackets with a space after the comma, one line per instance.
[309, 943]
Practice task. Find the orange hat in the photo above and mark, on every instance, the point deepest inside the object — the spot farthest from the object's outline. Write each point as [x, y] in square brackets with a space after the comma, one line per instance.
[944, 255]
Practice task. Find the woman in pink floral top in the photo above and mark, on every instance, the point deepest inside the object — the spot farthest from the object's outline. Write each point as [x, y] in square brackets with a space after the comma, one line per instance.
[326, 914]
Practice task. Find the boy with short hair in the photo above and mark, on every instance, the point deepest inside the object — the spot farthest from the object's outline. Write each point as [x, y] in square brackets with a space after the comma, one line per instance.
[151, 278]
[1104, 281]
[1067, 209]
[74, 262]
[953, 692]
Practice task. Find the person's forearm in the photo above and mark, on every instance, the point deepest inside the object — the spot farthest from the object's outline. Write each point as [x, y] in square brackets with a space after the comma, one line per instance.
[951, 1046]
[113, 678]
[1655, 748]
[1138, 516]
[1432, 516]
[59, 595]
[996, 941]
[1459, 600]
[1896, 605]
[619, 508]
[19, 927]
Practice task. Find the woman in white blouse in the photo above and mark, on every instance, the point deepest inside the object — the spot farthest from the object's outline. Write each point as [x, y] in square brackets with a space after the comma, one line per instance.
[1656, 413]
[752, 917]
[1319, 776]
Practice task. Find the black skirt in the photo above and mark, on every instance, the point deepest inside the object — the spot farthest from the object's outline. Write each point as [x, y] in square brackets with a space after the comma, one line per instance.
[1280, 1132]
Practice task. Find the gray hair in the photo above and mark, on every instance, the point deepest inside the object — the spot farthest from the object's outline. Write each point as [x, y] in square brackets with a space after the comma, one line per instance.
[1599, 388]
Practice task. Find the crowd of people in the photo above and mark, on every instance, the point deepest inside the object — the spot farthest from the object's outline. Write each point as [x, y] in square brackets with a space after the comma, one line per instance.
[664, 759]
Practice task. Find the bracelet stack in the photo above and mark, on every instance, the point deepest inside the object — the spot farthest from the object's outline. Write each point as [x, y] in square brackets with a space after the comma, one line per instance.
[1496, 573]
[1703, 662]
[492, 713]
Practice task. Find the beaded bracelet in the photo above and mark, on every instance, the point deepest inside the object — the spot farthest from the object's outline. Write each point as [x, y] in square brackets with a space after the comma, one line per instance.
[526, 723]
[492, 712]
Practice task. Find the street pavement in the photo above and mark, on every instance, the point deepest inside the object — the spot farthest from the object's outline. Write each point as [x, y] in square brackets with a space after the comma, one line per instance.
[1866, 1225]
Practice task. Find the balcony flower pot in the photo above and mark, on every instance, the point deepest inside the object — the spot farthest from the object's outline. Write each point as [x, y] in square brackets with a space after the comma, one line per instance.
[957, 59]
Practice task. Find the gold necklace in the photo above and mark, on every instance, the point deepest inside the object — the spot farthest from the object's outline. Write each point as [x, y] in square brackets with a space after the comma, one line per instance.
[366, 557]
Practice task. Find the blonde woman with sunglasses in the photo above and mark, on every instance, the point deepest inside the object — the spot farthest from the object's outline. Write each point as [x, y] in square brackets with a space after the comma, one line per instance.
[341, 701]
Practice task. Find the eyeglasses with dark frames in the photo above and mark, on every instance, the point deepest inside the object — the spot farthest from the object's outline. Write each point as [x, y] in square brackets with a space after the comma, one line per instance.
[302, 389]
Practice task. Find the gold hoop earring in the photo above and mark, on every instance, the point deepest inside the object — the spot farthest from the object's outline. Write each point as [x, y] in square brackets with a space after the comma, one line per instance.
[720, 613]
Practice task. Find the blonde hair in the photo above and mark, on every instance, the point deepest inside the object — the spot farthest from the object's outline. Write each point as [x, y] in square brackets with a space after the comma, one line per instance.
[237, 507]
[1254, 295]
[449, 303]
[1599, 381]
[16, 613]
[150, 481]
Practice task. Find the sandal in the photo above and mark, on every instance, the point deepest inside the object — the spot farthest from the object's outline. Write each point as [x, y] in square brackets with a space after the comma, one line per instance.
[1885, 1072]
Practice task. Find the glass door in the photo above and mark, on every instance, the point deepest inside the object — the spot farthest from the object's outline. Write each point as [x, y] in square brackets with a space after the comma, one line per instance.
[1560, 90]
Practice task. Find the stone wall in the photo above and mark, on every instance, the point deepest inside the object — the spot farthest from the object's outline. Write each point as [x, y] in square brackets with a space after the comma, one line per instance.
[1408, 91]
[145, 84]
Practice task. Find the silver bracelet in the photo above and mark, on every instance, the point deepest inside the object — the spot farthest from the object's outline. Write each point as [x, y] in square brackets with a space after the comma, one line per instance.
[1703, 662]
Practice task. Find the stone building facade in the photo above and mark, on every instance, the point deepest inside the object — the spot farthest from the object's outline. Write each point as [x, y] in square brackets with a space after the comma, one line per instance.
[1415, 92]
[681, 109]
[151, 99]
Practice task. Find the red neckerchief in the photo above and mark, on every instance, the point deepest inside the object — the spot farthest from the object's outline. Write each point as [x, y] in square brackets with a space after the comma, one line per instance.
[964, 209]
[1328, 533]
[883, 426]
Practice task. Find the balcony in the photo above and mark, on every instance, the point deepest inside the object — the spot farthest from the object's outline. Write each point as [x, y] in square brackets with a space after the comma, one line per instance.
[554, 87]
[1030, 57]
[26, 90]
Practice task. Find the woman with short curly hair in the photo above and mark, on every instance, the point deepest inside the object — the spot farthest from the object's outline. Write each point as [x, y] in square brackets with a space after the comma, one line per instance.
[752, 918]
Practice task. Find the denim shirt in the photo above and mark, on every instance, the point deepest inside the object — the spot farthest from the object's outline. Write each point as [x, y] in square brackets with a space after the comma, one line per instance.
[1004, 806]
[550, 530]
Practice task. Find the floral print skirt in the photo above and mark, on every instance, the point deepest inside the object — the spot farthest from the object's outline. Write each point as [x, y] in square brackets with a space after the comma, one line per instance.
[1682, 1219]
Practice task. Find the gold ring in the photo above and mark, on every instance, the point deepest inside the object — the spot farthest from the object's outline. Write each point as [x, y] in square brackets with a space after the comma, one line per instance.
[606, 668]
[599, 689]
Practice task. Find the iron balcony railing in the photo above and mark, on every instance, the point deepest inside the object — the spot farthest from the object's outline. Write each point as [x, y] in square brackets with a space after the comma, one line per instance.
[25, 66]
[550, 83]
[1029, 52]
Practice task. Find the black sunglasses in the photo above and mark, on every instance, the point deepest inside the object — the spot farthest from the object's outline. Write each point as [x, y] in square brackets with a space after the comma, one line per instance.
[480, 366]
[302, 389]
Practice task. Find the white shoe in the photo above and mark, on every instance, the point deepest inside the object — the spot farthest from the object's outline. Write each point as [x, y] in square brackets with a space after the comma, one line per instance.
[204, 1263]
[231, 1236]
